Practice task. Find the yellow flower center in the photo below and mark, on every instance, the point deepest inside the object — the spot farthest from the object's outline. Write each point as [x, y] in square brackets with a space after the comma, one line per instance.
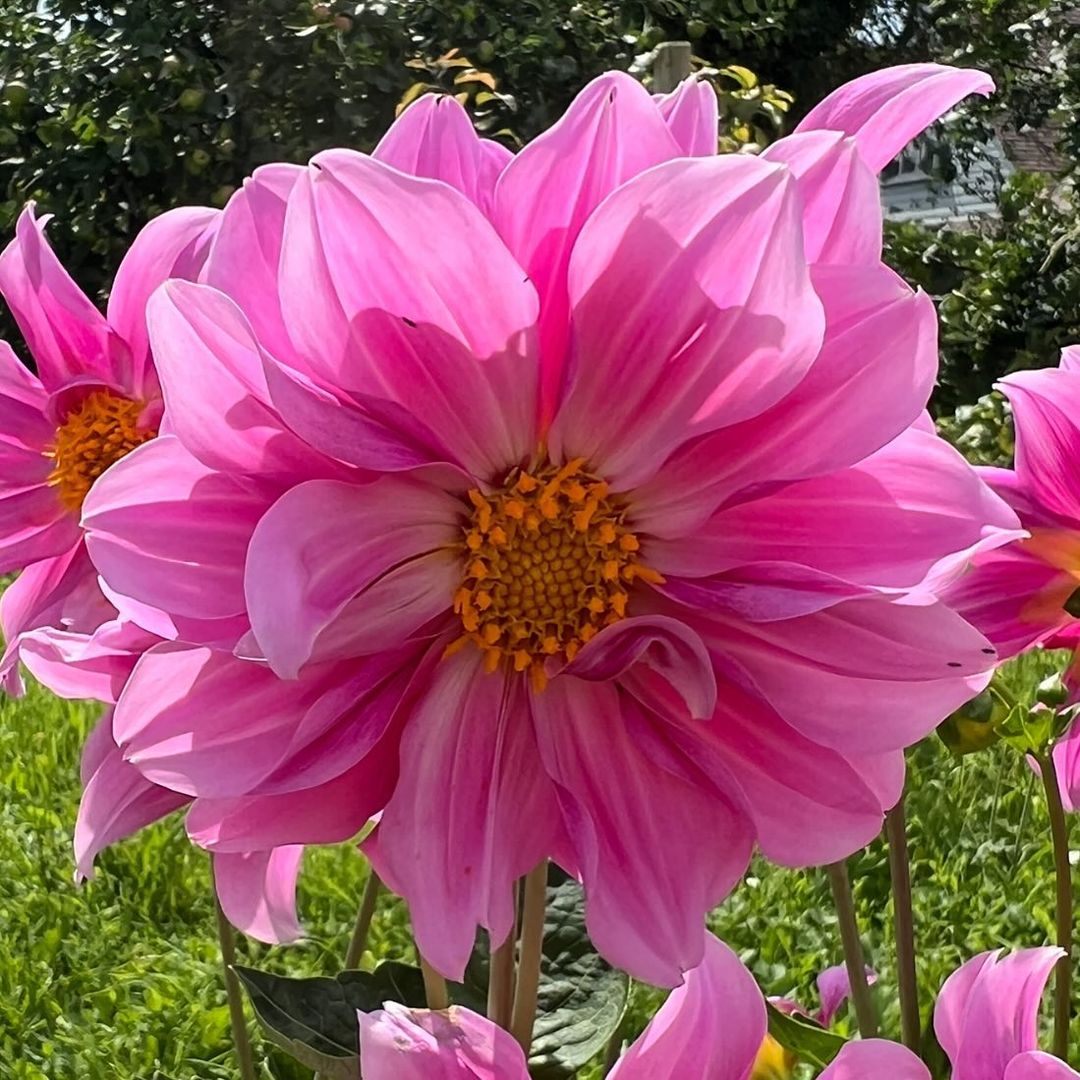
[548, 563]
[92, 437]
[773, 1062]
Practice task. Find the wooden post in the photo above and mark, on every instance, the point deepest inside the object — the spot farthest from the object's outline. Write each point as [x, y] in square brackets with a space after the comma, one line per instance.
[671, 66]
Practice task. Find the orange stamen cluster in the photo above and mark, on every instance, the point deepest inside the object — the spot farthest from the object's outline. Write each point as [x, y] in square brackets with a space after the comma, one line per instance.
[548, 564]
[96, 434]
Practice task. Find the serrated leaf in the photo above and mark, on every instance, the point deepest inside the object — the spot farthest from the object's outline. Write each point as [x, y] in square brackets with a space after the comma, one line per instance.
[807, 1040]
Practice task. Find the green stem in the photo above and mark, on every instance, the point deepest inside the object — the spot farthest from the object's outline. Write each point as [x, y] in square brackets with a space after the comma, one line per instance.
[530, 956]
[853, 954]
[900, 875]
[233, 990]
[358, 942]
[1059, 832]
[435, 991]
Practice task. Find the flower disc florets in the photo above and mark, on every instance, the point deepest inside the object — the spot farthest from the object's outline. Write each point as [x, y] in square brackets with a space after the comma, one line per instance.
[549, 562]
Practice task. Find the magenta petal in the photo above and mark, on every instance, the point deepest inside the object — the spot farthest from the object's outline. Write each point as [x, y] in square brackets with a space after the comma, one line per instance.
[656, 844]
[173, 245]
[692, 115]
[34, 525]
[1035, 1065]
[66, 334]
[834, 988]
[117, 801]
[1070, 358]
[1067, 765]
[735, 335]
[435, 138]
[397, 1043]
[300, 576]
[257, 892]
[886, 109]
[877, 1058]
[710, 1027]
[24, 423]
[473, 800]
[611, 132]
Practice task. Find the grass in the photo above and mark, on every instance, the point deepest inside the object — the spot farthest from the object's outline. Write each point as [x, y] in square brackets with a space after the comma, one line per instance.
[119, 979]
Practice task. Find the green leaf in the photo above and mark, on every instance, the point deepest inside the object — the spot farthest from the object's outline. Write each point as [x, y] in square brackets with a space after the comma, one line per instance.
[808, 1041]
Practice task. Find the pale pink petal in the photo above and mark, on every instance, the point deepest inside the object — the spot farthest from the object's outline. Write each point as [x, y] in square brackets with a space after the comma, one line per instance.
[692, 115]
[834, 988]
[435, 138]
[66, 334]
[117, 801]
[735, 337]
[886, 109]
[397, 1043]
[300, 576]
[842, 219]
[709, 1027]
[472, 812]
[875, 1058]
[257, 892]
[1035, 1065]
[657, 844]
[1070, 358]
[987, 1011]
[173, 245]
[611, 132]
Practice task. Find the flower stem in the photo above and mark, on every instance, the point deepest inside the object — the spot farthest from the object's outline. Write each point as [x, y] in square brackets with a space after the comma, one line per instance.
[227, 940]
[1059, 832]
[900, 873]
[358, 942]
[435, 992]
[502, 976]
[534, 908]
[853, 954]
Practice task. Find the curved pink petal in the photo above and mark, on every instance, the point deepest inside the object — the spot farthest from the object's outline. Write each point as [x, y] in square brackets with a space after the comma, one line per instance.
[34, 525]
[692, 115]
[1035, 1065]
[67, 335]
[735, 335]
[117, 801]
[398, 290]
[1067, 764]
[987, 1011]
[1044, 405]
[886, 109]
[300, 576]
[842, 218]
[611, 132]
[257, 892]
[397, 1043]
[711, 1026]
[246, 253]
[1070, 358]
[657, 844]
[435, 138]
[834, 988]
[173, 245]
[876, 1058]
[24, 420]
[869, 382]
[472, 812]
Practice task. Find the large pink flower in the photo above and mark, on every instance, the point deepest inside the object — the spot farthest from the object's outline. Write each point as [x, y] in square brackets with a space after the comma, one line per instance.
[710, 1028]
[607, 517]
[95, 397]
[986, 1017]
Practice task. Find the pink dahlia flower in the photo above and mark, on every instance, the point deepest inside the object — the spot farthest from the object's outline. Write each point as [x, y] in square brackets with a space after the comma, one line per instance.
[710, 1028]
[986, 1017]
[594, 526]
[95, 398]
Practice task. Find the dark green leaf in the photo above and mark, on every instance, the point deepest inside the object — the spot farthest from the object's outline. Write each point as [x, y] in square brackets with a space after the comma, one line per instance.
[808, 1041]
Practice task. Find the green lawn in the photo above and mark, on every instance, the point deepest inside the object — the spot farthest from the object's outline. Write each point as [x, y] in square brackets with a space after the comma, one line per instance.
[119, 978]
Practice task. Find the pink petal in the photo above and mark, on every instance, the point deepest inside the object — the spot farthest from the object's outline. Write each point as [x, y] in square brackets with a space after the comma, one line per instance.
[987, 1011]
[435, 138]
[116, 802]
[300, 576]
[34, 525]
[173, 245]
[710, 1026]
[257, 892]
[691, 113]
[708, 341]
[834, 988]
[875, 1058]
[657, 845]
[23, 403]
[383, 303]
[611, 132]
[397, 1043]
[1067, 765]
[1070, 358]
[244, 259]
[886, 109]
[1036, 1065]
[66, 334]
[472, 812]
